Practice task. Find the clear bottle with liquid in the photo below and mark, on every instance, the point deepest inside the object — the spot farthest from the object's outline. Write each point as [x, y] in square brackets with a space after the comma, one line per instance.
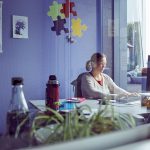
[18, 109]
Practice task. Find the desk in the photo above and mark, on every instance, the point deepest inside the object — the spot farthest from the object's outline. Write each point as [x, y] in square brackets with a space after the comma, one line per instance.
[133, 108]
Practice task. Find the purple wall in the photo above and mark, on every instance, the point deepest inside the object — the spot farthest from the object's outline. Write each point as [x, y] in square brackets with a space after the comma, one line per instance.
[22, 57]
[65, 59]
[43, 53]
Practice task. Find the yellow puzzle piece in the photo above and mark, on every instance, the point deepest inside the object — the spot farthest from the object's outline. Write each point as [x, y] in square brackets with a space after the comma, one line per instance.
[77, 28]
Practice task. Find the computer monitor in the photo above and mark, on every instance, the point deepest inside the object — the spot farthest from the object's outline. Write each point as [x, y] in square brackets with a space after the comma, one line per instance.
[148, 75]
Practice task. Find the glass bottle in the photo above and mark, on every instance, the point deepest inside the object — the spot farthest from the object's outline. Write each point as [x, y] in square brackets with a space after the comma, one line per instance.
[18, 108]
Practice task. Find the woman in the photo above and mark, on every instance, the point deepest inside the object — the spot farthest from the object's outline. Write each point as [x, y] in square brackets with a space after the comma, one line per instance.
[95, 84]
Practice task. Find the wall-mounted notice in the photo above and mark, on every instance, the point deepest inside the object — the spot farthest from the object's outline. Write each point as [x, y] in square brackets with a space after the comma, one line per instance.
[1, 26]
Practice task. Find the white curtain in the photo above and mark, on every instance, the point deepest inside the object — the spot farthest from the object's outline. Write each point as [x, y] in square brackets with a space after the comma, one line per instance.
[147, 31]
[135, 19]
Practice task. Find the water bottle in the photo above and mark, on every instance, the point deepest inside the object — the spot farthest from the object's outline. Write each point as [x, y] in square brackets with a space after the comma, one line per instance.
[18, 108]
[52, 93]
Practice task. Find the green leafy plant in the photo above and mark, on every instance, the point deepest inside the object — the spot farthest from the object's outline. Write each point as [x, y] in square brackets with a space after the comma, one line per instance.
[53, 127]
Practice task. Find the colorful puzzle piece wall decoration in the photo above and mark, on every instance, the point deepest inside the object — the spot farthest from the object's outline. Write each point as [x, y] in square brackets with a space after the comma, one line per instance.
[58, 13]
[54, 11]
[77, 27]
[59, 25]
[70, 39]
[68, 8]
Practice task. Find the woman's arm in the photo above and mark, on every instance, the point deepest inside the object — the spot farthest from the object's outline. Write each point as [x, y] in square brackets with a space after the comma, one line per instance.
[114, 88]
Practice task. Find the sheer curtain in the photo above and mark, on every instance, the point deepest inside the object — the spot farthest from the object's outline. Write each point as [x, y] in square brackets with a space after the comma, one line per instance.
[147, 31]
[135, 32]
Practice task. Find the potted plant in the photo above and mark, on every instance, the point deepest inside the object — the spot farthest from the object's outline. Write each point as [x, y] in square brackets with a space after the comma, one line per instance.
[57, 127]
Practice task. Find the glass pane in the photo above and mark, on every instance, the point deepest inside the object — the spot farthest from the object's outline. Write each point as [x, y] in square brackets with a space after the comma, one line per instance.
[137, 43]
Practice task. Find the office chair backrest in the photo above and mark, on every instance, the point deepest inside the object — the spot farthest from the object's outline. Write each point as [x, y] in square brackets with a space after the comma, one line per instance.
[77, 86]
[148, 75]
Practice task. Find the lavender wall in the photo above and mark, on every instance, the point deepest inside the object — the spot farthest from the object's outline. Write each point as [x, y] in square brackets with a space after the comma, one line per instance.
[22, 57]
[65, 59]
[43, 53]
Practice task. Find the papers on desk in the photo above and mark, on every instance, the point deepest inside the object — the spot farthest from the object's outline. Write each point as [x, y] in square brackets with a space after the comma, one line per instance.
[129, 101]
[89, 114]
[39, 104]
[68, 106]
[76, 99]
[124, 101]
[145, 94]
[126, 104]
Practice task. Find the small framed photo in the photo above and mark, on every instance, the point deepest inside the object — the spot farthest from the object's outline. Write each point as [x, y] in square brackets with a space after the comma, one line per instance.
[20, 26]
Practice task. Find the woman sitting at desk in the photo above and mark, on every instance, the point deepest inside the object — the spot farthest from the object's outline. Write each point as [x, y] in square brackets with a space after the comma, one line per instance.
[95, 84]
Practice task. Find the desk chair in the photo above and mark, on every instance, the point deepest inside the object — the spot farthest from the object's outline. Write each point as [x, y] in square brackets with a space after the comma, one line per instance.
[77, 86]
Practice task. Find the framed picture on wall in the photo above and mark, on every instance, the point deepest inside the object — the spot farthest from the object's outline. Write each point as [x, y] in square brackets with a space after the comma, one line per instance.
[20, 26]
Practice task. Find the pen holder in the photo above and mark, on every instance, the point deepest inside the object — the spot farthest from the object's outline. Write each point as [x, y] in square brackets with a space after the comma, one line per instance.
[145, 101]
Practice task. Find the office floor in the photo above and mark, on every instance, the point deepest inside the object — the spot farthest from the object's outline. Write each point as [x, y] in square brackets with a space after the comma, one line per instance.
[134, 87]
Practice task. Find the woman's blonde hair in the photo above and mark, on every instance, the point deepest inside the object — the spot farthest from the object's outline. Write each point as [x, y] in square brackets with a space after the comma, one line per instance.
[95, 58]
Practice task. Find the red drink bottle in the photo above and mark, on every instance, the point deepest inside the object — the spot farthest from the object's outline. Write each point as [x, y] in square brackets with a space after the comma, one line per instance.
[52, 93]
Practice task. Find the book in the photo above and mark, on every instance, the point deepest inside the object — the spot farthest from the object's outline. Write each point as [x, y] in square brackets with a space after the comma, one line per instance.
[76, 99]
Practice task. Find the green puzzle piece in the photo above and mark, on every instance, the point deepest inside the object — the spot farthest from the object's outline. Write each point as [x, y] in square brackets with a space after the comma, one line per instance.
[54, 11]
